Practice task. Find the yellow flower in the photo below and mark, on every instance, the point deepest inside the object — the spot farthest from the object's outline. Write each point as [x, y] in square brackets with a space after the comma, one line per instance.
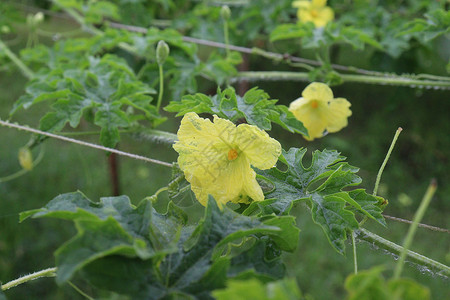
[216, 158]
[314, 11]
[319, 111]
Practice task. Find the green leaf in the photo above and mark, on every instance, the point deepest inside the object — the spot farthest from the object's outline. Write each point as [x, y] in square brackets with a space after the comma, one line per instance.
[408, 289]
[96, 239]
[322, 185]
[220, 69]
[125, 275]
[111, 227]
[107, 86]
[259, 260]
[255, 106]
[367, 285]
[288, 31]
[216, 229]
[158, 255]
[370, 285]
[285, 289]
[437, 23]
[287, 240]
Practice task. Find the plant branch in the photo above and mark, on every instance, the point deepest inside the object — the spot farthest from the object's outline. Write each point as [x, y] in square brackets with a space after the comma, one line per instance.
[300, 76]
[50, 272]
[63, 138]
[426, 226]
[16, 60]
[365, 235]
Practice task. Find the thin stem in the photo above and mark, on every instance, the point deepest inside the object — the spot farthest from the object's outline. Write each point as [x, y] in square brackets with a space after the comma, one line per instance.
[386, 159]
[426, 226]
[355, 258]
[80, 291]
[299, 76]
[374, 239]
[16, 60]
[24, 171]
[412, 229]
[226, 37]
[138, 157]
[383, 165]
[161, 86]
[50, 272]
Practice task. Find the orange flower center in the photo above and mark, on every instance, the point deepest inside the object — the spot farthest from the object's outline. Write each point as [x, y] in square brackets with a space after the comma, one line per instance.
[314, 104]
[232, 154]
[314, 13]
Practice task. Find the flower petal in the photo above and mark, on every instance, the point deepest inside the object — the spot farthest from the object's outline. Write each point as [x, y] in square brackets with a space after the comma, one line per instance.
[313, 118]
[338, 113]
[301, 4]
[258, 147]
[318, 91]
[319, 3]
[252, 187]
[326, 15]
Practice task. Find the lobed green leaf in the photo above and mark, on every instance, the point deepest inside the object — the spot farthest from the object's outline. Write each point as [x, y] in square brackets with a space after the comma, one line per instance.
[324, 185]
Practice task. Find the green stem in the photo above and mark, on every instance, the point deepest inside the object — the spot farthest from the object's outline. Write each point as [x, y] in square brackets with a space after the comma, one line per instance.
[380, 171]
[300, 76]
[63, 138]
[412, 229]
[380, 242]
[158, 136]
[355, 258]
[24, 171]
[25, 70]
[226, 37]
[386, 158]
[50, 272]
[161, 86]
[80, 291]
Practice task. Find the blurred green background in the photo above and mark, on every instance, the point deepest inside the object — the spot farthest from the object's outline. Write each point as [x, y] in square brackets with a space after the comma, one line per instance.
[422, 153]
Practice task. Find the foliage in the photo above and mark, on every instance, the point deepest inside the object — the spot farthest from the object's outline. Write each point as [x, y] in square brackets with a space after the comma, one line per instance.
[158, 251]
[255, 107]
[254, 289]
[370, 284]
[103, 87]
[322, 184]
[107, 77]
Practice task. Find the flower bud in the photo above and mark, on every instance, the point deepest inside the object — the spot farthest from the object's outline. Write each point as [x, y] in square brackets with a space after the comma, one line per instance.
[162, 51]
[25, 158]
[38, 17]
[5, 29]
[225, 12]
